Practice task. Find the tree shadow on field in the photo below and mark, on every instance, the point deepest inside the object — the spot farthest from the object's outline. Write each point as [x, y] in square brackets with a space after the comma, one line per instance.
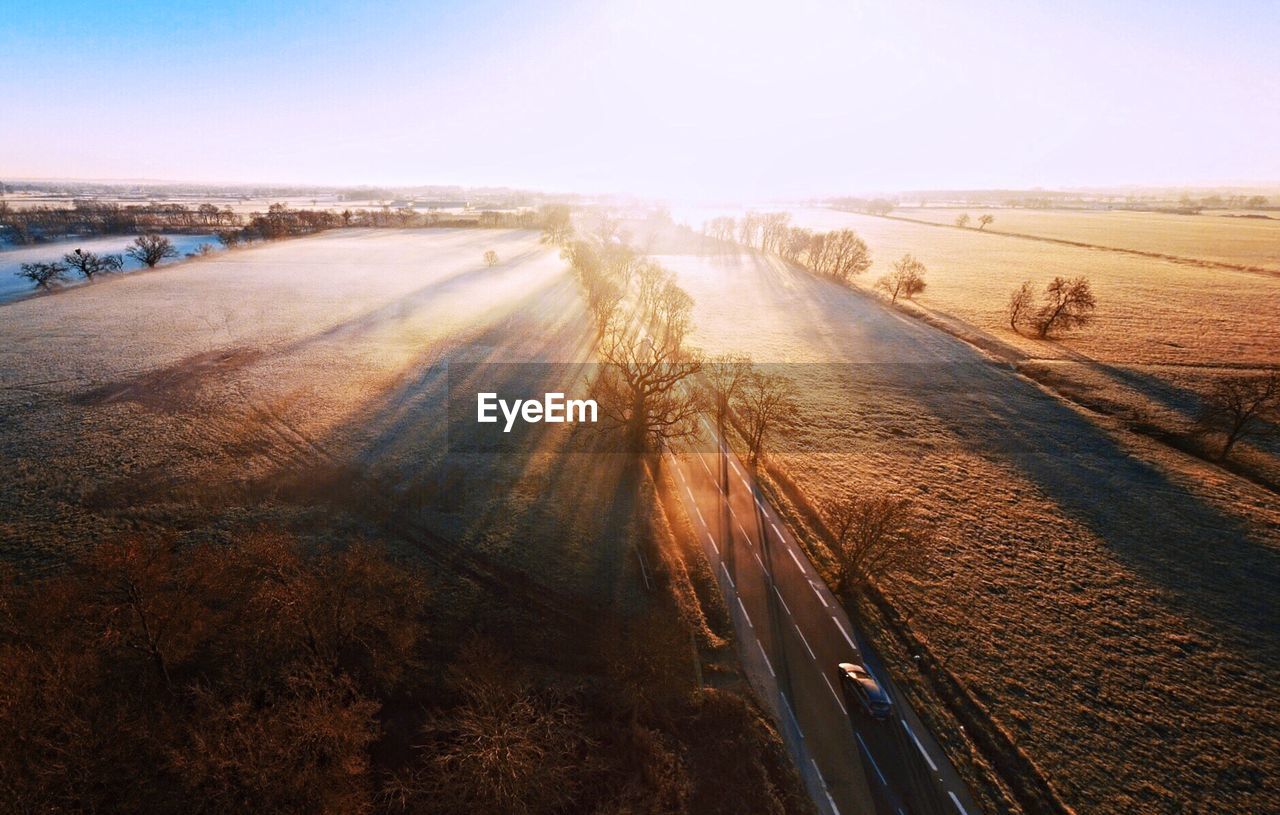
[544, 508]
[1203, 558]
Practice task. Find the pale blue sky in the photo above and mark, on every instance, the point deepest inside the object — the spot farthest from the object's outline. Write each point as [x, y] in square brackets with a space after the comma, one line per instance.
[667, 97]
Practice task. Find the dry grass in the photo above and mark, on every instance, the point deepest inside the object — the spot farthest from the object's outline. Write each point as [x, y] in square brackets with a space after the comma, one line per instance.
[1109, 601]
[1233, 240]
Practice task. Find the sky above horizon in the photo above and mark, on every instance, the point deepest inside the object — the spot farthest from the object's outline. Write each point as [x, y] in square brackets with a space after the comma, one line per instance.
[684, 100]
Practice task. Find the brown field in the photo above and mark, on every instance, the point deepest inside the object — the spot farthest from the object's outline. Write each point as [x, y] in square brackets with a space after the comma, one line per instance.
[1213, 237]
[1090, 585]
[301, 386]
[1163, 331]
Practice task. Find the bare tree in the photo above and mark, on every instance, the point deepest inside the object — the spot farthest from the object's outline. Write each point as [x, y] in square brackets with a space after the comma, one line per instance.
[44, 275]
[876, 536]
[230, 238]
[906, 279]
[650, 278]
[1239, 407]
[557, 224]
[90, 264]
[726, 376]
[1020, 302]
[603, 298]
[150, 249]
[490, 258]
[644, 387]
[984, 220]
[764, 399]
[641, 387]
[962, 220]
[1067, 304]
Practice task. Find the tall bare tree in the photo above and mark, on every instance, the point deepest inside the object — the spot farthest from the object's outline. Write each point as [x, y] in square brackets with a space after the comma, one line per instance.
[763, 400]
[876, 536]
[726, 376]
[1241, 406]
[1020, 303]
[985, 220]
[962, 220]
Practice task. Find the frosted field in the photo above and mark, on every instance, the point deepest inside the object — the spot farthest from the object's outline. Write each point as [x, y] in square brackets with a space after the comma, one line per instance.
[288, 357]
[1253, 242]
[13, 287]
[1088, 582]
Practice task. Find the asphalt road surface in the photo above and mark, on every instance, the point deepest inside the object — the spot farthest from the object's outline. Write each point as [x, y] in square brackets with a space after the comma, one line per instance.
[791, 636]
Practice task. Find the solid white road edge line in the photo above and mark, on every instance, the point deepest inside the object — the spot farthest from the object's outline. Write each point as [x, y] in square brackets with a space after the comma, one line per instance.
[847, 638]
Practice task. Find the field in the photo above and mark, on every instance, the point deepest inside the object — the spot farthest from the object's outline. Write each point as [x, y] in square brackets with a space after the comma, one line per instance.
[1089, 584]
[1163, 331]
[304, 386]
[1216, 238]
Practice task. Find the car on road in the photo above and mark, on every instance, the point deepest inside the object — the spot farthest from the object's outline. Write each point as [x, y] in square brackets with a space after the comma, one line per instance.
[858, 683]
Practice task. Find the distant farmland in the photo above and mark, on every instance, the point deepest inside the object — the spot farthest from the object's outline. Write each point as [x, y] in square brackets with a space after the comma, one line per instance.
[1229, 239]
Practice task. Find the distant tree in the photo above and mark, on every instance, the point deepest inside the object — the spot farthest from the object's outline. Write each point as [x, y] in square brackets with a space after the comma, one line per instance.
[879, 206]
[1067, 304]
[44, 275]
[604, 297]
[650, 279]
[90, 264]
[1020, 304]
[557, 224]
[150, 249]
[876, 536]
[1238, 407]
[906, 279]
[490, 258]
[229, 238]
[962, 220]
[984, 220]
[764, 398]
[1257, 202]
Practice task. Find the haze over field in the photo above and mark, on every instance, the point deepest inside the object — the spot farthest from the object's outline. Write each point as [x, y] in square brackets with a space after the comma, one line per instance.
[926, 364]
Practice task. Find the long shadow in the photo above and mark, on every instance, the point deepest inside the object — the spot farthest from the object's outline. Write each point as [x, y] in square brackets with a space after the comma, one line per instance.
[1205, 559]
[540, 508]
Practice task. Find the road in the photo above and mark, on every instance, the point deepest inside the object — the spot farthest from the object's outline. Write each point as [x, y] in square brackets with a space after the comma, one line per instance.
[791, 635]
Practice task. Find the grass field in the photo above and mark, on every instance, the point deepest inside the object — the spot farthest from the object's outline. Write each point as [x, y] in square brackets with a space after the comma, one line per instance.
[1163, 331]
[1089, 584]
[1216, 238]
[305, 386]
